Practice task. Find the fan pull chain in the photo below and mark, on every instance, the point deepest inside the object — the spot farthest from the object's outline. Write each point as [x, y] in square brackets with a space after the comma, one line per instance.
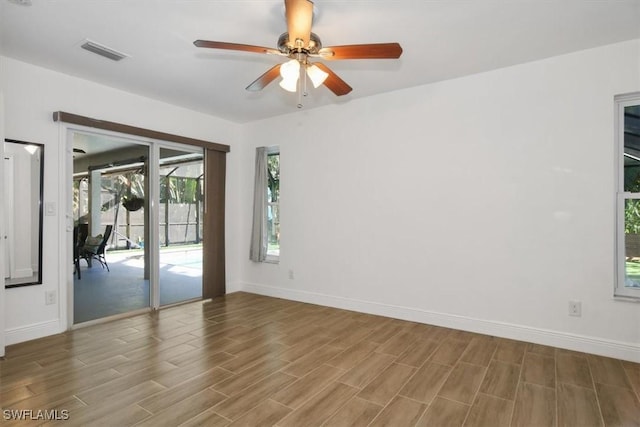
[302, 89]
[303, 70]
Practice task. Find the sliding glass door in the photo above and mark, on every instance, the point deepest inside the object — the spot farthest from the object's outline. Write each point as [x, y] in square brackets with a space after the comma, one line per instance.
[180, 211]
[111, 227]
[138, 225]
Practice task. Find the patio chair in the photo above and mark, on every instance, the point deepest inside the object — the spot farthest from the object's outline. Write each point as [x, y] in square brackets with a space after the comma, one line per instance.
[76, 252]
[80, 233]
[98, 253]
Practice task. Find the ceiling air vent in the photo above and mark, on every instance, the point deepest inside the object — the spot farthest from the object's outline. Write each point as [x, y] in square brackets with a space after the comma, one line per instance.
[21, 2]
[102, 50]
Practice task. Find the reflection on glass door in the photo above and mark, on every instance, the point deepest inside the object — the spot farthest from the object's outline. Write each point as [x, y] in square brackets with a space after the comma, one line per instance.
[110, 208]
[181, 225]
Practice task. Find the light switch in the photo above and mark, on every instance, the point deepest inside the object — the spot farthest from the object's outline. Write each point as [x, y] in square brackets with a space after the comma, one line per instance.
[50, 208]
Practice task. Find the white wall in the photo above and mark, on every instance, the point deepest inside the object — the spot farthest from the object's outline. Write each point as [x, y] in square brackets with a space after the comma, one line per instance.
[31, 95]
[484, 203]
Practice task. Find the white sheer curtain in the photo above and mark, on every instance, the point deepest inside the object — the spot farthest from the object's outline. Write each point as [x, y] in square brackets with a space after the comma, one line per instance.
[258, 250]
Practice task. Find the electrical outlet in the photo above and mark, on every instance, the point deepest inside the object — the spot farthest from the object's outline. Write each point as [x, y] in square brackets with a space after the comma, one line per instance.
[50, 297]
[290, 274]
[575, 308]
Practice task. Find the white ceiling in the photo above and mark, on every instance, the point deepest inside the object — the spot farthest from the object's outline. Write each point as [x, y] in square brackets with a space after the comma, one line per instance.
[441, 40]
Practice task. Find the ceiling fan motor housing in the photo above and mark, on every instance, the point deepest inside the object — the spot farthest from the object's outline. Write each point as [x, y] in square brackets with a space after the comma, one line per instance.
[285, 46]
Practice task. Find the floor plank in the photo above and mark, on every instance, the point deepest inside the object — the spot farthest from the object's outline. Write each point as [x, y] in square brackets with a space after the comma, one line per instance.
[480, 351]
[356, 413]
[620, 406]
[489, 411]
[306, 387]
[449, 352]
[399, 413]
[266, 414]
[426, 382]
[539, 369]
[535, 406]
[368, 369]
[444, 412]
[418, 353]
[386, 385]
[510, 352]
[321, 407]
[608, 371]
[463, 383]
[235, 406]
[501, 380]
[351, 356]
[577, 406]
[184, 410]
[573, 369]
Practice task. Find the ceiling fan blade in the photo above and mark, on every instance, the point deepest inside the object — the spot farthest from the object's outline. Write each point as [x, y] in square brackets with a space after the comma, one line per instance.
[262, 81]
[299, 17]
[235, 46]
[362, 51]
[333, 82]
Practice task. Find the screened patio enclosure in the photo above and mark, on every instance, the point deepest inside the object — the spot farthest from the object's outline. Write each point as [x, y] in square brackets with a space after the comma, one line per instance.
[122, 198]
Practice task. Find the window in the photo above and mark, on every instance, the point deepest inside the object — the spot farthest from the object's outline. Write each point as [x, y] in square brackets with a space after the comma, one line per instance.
[265, 230]
[628, 195]
[273, 204]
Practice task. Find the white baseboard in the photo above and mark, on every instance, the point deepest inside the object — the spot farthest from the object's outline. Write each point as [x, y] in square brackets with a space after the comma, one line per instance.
[32, 332]
[586, 344]
[232, 287]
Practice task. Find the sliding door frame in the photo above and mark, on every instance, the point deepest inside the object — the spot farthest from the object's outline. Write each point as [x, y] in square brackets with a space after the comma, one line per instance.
[213, 277]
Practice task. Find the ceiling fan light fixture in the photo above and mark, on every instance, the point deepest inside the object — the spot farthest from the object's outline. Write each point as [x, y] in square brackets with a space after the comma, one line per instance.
[316, 75]
[290, 72]
[290, 85]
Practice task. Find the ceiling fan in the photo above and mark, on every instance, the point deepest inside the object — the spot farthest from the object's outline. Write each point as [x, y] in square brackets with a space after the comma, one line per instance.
[300, 44]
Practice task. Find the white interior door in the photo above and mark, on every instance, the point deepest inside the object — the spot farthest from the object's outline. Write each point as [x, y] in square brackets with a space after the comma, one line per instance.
[8, 217]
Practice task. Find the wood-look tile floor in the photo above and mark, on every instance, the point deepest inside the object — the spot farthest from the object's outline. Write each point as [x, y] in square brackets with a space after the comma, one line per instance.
[249, 360]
